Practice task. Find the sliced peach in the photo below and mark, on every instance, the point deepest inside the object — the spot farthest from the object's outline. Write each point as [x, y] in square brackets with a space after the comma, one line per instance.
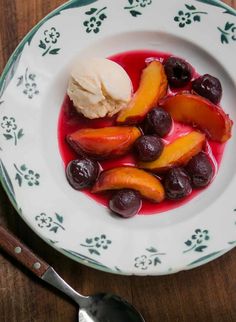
[104, 142]
[153, 86]
[131, 178]
[199, 112]
[177, 153]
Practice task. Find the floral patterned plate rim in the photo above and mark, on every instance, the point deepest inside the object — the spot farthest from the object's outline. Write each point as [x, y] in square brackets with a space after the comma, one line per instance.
[32, 88]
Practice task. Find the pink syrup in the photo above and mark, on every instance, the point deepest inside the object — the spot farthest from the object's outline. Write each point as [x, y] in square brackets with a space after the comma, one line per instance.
[70, 121]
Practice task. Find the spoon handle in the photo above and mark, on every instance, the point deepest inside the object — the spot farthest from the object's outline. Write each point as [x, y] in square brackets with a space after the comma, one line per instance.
[15, 248]
[21, 253]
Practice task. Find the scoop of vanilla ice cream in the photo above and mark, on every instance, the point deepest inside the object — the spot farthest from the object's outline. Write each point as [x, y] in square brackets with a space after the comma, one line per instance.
[99, 87]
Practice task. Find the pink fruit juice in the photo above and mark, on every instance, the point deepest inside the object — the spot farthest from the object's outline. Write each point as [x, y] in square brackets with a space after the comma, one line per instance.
[70, 121]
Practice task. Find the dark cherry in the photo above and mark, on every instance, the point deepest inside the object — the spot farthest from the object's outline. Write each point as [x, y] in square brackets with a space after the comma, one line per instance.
[178, 71]
[177, 184]
[208, 87]
[148, 147]
[159, 121]
[200, 170]
[125, 203]
[82, 173]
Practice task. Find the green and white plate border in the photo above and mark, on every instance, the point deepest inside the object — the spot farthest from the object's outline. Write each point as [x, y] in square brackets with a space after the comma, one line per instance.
[32, 88]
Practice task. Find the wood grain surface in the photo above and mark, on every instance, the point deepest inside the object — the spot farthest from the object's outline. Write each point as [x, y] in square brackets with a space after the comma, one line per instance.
[204, 294]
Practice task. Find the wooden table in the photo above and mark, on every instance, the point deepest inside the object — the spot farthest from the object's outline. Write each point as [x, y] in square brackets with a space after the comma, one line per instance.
[207, 293]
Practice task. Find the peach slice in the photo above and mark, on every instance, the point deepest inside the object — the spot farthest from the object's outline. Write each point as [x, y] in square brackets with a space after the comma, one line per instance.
[177, 153]
[131, 178]
[153, 86]
[104, 142]
[199, 112]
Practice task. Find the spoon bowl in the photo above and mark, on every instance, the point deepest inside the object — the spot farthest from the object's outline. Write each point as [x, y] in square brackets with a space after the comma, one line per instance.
[108, 308]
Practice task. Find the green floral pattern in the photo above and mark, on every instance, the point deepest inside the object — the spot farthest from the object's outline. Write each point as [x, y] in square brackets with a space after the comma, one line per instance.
[87, 260]
[136, 6]
[23, 174]
[188, 16]
[151, 258]
[205, 258]
[198, 241]
[10, 129]
[48, 44]
[96, 244]
[27, 81]
[52, 224]
[220, 4]
[53, 242]
[12, 65]
[228, 33]
[233, 242]
[7, 184]
[95, 20]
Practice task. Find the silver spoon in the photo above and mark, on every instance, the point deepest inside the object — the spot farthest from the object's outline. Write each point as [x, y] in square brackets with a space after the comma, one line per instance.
[96, 308]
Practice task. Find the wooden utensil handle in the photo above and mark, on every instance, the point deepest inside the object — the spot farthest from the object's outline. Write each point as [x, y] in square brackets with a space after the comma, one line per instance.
[21, 253]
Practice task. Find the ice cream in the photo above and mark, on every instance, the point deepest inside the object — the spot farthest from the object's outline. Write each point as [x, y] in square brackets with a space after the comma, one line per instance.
[99, 87]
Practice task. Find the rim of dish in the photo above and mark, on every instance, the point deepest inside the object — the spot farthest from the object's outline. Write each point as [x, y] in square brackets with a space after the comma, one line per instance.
[3, 76]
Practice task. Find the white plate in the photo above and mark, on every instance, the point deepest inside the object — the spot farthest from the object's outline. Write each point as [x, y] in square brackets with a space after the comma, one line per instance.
[32, 89]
